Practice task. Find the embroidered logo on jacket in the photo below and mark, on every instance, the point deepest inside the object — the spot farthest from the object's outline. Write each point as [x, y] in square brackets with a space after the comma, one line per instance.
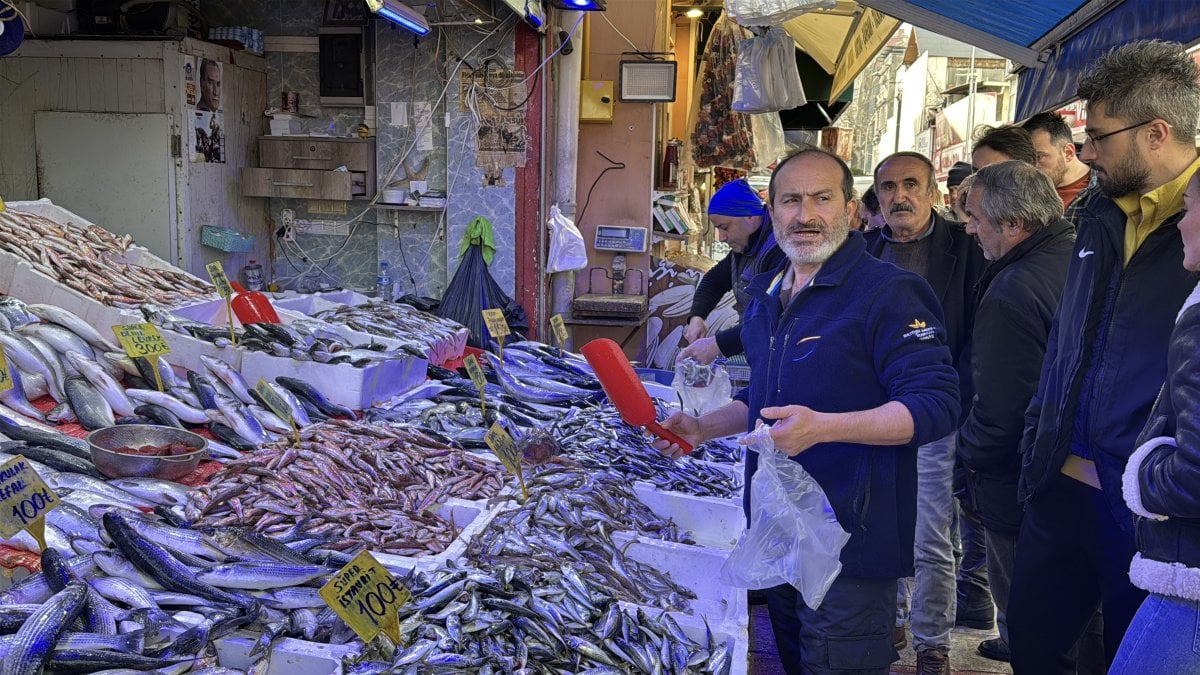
[921, 331]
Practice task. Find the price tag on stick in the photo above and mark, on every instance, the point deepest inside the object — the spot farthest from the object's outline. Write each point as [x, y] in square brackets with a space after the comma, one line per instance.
[217, 273]
[501, 443]
[6, 380]
[24, 500]
[560, 331]
[367, 597]
[498, 327]
[476, 373]
[278, 406]
[142, 340]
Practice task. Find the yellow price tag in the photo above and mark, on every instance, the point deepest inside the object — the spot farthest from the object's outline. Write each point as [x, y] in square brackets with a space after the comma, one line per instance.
[496, 325]
[6, 381]
[560, 330]
[278, 406]
[217, 273]
[367, 597]
[2, 207]
[476, 372]
[24, 500]
[141, 339]
[502, 444]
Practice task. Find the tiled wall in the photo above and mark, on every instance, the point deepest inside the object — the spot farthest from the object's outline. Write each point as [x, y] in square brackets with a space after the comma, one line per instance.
[421, 247]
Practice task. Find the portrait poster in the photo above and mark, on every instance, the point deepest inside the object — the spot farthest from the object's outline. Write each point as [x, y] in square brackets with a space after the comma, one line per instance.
[208, 75]
[209, 133]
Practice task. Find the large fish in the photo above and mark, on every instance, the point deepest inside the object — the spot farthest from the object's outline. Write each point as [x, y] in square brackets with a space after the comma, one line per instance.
[182, 410]
[35, 641]
[90, 408]
[99, 615]
[308, 392]
[61, 339]
[104, 383]
[229, 376]
[27, 357]
[16, 398]
[73, 323]
[159, 564]
[20, 429]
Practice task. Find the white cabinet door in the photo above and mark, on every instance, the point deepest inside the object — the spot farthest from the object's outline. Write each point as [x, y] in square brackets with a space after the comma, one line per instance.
[114, 169]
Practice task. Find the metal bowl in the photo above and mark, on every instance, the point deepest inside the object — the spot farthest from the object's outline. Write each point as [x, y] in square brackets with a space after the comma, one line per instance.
[119, 465]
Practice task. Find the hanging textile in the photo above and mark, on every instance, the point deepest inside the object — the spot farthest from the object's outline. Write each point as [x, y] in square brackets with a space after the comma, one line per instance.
[721, 137]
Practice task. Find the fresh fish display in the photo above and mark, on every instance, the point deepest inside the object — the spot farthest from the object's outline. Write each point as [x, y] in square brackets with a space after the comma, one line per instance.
[90, 260]
[352, 484]
[427, 333]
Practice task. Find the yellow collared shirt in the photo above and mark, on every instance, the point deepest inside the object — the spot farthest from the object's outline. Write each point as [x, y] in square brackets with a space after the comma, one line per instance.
[1144, 213]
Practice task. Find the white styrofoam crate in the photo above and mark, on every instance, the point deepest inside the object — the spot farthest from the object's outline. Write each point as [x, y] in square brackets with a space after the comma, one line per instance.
[356, 388]
[736, 636]
[713, 522]
[469, 517]
[694, 568]
[288, 656]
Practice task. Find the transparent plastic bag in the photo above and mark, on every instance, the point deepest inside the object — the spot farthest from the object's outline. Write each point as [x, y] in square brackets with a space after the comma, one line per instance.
[567, 249]
[772, 12]
[701, 387]
[794, 537]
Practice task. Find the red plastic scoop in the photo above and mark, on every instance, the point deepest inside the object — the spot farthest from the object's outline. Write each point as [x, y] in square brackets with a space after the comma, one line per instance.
[625, 390]
[252, 306]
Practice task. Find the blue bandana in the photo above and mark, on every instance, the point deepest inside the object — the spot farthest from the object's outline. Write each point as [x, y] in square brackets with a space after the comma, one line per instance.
[736, 199]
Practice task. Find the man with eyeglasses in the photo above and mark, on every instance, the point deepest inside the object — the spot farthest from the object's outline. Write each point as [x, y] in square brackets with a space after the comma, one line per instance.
[1105, 357]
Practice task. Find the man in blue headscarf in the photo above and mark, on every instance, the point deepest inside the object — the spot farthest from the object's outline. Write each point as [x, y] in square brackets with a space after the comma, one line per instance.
[741, 221]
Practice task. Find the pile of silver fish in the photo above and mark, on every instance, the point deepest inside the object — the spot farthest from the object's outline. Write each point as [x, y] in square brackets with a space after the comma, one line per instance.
[570, 516]
[91, 261]
[302, 340]
[437, 337]
[719, 451]
[599, 439]
[350, 484]
[506, 621]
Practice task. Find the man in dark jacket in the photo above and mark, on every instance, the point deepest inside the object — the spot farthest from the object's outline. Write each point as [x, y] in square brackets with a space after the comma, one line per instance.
[919, 240]
[741, 221]
[1105, 357]
[1016, 216]
[857, 379]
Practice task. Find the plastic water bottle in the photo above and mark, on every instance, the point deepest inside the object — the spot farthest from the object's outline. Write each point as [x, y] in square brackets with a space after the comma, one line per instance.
[253, 274]
[383, 282]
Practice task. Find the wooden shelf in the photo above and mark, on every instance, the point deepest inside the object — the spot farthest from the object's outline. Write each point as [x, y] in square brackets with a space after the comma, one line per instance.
[408, 207]
[670, 235]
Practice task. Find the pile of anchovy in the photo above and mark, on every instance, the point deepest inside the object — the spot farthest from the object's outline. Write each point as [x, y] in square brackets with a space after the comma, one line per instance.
[439, 338]
[91, 261]
[506, 621]
[599, 439]
[570, 516]
[350, 483]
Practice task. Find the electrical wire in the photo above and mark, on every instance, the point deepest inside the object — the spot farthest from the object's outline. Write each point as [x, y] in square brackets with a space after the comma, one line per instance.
[6, 16]
[607, 20]
[615, 165]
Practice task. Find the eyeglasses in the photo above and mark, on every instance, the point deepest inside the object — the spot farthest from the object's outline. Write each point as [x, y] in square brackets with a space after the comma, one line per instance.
[1094, 139]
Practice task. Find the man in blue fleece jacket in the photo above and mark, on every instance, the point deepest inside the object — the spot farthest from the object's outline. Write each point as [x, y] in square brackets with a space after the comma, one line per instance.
[848, 357]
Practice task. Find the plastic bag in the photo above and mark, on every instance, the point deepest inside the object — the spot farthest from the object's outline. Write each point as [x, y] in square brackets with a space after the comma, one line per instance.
[772, 12]
[472, 290]
[766, 78]
[701, 387]
[794, 537]
[567, 249]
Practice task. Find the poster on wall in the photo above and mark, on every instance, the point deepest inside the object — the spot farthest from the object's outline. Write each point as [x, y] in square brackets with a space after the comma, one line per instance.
[189, 80]
[209, 145]
[209, 72]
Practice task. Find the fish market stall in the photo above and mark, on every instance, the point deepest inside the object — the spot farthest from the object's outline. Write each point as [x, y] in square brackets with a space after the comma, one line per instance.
[601, 557]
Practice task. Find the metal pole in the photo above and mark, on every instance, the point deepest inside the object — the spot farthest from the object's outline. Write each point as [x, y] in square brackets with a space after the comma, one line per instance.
[971, 96]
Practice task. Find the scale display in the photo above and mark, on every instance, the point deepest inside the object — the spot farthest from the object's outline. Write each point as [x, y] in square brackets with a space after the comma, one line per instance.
[614, 238]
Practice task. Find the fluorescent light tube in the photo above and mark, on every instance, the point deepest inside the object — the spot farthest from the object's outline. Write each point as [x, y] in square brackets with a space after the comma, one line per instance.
[400, 14]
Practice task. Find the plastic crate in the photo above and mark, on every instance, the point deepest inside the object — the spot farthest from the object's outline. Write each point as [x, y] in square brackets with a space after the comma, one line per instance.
[655, 375]
[739, 371]
[225, 239]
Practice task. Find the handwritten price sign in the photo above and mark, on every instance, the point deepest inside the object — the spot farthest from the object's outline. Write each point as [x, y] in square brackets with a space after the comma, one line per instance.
[278, 406]
[6, 381]
[367, 598]
[141, 339]
[502, 444]
[24, 500]
[560, 330]
[476, 373]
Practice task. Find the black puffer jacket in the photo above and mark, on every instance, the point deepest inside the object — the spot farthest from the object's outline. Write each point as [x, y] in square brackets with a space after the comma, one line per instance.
[1016, 299]
[1162, 480]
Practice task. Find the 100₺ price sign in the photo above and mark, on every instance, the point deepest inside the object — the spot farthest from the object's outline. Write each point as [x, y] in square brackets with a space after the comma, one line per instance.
[24, 497]
[367, 597]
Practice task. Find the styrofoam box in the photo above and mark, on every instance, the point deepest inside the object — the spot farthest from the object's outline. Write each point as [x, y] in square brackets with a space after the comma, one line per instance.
[470, 517]
[736, 636]
[713, 522]
[31, 286]
[288, 656]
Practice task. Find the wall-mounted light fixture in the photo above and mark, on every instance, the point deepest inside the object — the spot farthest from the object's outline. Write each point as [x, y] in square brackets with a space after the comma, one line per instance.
[400, 14]
[694, 13]
[579, 5]
[650, 79]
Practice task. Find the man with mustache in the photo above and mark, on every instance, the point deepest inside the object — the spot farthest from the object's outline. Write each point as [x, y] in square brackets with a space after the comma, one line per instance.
[917, 239]
[856, 379]
[1106, 359]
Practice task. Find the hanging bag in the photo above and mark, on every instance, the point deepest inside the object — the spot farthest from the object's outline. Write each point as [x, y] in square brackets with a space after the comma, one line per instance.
[772, 12]
[567, 249]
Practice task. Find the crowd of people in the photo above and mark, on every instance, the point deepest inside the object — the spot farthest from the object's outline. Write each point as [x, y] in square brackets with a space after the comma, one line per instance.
[1001, 399]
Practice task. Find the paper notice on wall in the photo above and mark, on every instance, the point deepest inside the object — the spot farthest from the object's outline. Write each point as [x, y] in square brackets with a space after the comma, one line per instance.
[398, 113]
[422, 111]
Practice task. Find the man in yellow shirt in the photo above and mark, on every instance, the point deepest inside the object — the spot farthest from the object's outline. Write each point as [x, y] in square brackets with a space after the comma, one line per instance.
[1105, 356]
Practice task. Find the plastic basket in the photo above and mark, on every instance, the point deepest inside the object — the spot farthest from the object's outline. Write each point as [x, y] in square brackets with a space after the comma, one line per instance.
[225, 239]
[665, 377]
